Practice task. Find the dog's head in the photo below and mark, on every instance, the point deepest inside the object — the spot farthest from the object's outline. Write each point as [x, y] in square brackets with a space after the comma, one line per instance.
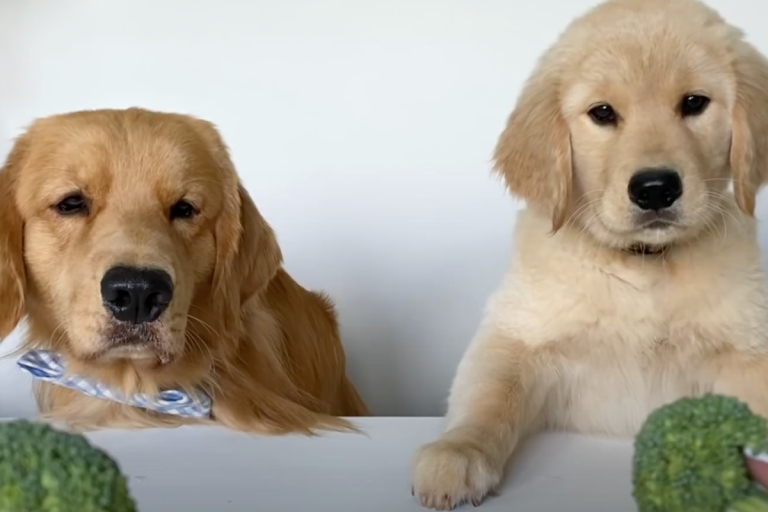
[635, 122]
[126, 237]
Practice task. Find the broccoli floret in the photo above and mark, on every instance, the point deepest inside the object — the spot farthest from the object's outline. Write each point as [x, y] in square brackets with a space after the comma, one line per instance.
[689, 455]
[46, 470]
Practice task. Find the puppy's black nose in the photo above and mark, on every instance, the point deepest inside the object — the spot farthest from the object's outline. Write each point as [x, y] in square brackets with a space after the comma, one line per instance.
[655, 189]
[136, 295]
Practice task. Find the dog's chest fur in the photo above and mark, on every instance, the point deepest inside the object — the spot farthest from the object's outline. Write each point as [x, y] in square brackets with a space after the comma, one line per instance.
[625, 333]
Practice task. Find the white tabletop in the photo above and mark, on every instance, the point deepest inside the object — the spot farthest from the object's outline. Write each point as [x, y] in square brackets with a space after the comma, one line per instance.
[201, 469]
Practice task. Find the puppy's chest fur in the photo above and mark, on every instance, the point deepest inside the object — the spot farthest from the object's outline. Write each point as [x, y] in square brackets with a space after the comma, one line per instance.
[623, 334]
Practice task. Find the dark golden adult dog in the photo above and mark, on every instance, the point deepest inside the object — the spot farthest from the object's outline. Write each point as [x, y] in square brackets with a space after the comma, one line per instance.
[128, 242]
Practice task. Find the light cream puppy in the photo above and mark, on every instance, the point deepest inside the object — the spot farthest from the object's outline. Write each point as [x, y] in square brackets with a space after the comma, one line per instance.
[635, 277]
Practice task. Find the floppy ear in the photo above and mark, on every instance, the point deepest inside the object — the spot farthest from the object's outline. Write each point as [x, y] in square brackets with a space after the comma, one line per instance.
[246, 247]
[749, 138]
[247, 258]
[247, 253]
[533, 154]
[12, 276]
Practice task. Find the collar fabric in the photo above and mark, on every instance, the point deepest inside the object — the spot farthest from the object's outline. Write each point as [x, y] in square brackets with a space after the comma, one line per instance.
[51, 367]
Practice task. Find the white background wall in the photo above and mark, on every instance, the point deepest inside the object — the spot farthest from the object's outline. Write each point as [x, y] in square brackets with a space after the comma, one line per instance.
[362, 128]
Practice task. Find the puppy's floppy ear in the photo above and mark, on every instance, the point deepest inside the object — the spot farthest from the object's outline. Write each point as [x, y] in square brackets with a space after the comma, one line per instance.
[749, 139]
[533, 154]
[247, 253]
[12, 274]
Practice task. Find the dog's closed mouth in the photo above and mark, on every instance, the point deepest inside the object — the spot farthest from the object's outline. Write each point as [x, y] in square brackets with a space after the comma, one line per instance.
[132, 337]
[149, 358]
[658, 224]
[137, 343]
[657, 220]
[647, 250]
[134, 353]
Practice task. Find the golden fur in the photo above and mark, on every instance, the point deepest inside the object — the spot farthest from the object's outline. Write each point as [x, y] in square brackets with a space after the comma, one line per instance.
[267, 349]
[584, 334]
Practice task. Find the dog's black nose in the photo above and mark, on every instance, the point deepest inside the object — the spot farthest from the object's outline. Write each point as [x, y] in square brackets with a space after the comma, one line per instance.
[136, 295]
[655, 189]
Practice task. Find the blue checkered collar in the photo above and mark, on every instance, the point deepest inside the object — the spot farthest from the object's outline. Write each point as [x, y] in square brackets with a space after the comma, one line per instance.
[51, 367]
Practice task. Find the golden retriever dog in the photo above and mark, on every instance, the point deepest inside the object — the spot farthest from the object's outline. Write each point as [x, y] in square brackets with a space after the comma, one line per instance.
[635, 276]
[129, 244]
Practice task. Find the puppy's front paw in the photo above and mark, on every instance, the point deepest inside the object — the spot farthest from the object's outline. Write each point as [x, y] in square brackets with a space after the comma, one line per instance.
[447, 474]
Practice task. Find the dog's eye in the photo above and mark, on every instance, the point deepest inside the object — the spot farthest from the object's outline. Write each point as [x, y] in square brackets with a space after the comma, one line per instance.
[603, 114]
[693, 105]
[72, 205]
[182, 210]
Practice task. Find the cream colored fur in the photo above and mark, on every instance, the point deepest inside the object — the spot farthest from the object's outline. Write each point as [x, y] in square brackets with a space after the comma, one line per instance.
[582, 334]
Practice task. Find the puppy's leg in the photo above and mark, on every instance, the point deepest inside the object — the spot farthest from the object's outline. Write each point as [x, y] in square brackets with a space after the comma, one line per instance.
[497, 396]
[744, 376]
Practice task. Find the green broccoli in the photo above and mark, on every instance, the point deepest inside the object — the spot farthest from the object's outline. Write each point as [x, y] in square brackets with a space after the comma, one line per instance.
[46, 470]
[689, 455]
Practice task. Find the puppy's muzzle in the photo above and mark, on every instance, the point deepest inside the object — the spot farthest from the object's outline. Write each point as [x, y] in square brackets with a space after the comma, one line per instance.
[136, 295]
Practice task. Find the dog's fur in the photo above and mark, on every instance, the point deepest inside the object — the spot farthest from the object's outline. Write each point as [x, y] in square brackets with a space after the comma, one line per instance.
[266, 349]
[584, 333]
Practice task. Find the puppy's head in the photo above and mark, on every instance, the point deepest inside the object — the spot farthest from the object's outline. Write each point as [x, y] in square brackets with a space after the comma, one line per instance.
[635, 122]
[126, 236]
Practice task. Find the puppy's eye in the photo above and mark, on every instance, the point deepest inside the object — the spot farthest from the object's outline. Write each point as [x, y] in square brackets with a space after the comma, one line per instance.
[182, 210]
[693, 105]
[72, 205]
[603, 114]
